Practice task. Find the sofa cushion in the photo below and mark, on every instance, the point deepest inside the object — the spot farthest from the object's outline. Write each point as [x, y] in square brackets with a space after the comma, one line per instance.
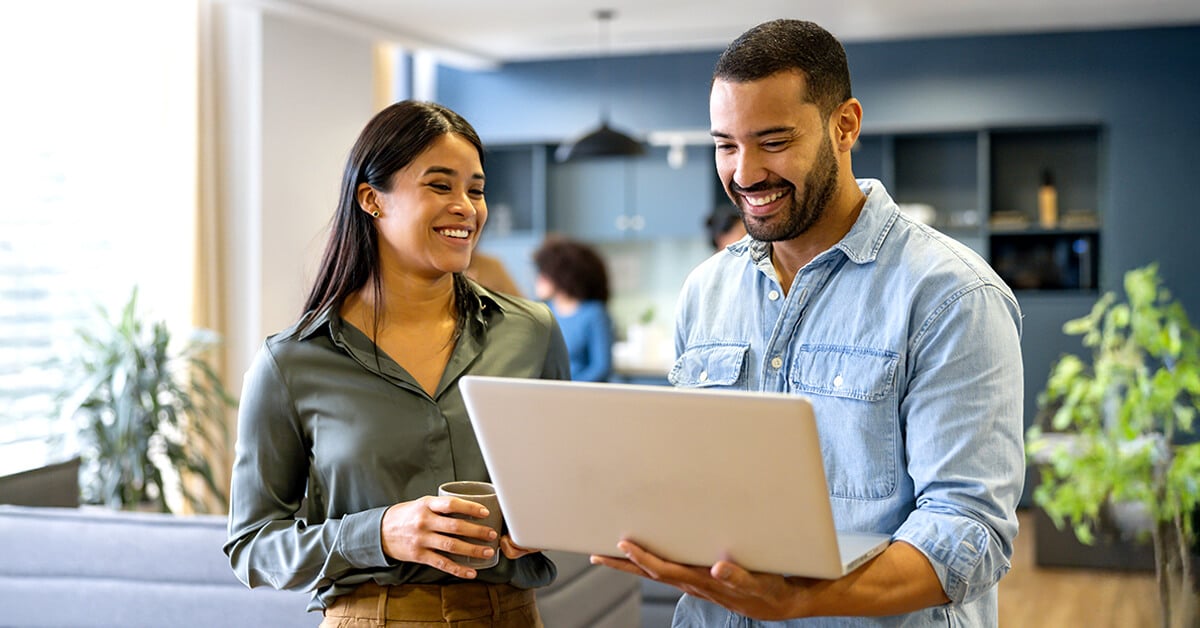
[97, 567]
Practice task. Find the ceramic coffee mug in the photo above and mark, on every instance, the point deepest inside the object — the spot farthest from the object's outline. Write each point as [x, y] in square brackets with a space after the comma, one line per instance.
[480, 493]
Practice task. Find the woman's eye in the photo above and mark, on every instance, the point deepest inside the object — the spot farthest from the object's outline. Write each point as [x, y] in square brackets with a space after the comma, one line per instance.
[477, 193]
[441, 187]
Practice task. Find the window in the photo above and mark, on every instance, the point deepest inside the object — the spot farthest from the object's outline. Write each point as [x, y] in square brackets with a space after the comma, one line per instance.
[98, 182]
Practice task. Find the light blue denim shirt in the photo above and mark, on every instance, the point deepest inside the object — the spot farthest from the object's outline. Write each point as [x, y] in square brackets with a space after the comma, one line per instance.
[908, 345]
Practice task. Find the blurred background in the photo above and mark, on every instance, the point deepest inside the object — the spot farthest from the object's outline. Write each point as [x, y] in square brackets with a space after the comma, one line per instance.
[193, 148]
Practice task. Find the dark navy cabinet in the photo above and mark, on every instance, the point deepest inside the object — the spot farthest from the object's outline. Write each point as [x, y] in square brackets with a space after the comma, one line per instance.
[646, 197]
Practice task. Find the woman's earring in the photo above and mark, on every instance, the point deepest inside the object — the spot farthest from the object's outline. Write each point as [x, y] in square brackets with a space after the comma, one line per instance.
[375, 214]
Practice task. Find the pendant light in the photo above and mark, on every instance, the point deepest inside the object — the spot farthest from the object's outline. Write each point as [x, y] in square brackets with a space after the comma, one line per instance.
[604, 141]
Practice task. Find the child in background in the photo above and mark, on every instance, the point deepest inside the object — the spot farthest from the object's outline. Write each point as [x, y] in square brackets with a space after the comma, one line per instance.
[573, 280]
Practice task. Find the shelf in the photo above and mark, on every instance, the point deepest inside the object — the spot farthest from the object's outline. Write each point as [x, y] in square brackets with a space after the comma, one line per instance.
[1019, 158]
[939, 170]
[1050, 260]
[1039, 231]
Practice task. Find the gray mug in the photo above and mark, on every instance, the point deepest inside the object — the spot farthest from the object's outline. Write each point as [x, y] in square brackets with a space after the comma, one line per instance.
[480, 493]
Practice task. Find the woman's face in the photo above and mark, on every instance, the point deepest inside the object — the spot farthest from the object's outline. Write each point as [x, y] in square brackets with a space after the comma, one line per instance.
[431, 218]
[543, 288]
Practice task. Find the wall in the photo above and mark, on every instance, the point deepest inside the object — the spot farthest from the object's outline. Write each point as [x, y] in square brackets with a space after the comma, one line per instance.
[317, 93]
[292, 96]
[1141, 84]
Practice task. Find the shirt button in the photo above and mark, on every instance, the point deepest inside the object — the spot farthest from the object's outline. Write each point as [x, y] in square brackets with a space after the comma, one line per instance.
[704, 376]
[837, 381]
[773, 295]
[776, 362]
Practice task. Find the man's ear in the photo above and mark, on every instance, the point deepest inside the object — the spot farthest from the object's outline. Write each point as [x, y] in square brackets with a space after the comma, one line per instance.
[368, 199]
[846, 124]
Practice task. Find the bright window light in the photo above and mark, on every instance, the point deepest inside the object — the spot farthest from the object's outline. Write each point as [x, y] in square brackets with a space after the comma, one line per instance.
[98, 163]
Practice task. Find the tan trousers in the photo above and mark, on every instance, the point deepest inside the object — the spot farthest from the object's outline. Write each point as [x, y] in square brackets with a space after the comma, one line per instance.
[466, 605]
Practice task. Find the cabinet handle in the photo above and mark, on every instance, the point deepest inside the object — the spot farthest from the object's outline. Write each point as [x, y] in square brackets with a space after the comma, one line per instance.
[622, 222]
[637, 222]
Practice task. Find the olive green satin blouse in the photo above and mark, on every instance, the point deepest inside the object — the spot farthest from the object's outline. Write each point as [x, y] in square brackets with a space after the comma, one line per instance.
[323, 413]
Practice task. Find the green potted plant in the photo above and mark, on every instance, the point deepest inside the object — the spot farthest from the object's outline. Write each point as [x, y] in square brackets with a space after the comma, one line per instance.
[150, 413]
[1121, 430]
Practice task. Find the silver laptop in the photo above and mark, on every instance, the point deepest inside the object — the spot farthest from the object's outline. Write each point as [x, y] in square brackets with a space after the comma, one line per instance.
[694, 476]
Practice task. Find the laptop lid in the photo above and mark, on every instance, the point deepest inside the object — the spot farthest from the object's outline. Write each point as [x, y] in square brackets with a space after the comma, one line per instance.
[694, 476]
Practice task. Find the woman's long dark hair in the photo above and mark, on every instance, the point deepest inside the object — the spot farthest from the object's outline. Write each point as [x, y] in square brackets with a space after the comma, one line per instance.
[390, 141]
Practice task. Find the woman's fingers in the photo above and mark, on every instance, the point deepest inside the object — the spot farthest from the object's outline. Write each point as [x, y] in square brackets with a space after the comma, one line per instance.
[447, 505]
[432, 529]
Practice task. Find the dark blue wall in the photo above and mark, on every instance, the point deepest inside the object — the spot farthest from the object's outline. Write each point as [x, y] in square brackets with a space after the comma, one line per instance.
[1143, 86]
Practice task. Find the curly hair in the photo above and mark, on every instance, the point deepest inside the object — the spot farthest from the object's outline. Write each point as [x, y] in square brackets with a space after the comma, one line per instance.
[574, 268]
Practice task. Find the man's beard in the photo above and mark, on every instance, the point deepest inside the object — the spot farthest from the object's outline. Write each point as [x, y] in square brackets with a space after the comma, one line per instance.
[804, 212]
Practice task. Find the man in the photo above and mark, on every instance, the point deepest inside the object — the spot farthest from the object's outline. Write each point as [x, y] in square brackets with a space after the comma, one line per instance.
[905, 340]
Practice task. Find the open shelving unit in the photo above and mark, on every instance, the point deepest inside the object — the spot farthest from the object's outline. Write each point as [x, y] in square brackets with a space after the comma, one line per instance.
[981, 187]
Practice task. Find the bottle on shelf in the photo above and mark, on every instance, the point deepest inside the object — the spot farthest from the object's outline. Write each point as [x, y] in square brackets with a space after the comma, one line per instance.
[1047, 201]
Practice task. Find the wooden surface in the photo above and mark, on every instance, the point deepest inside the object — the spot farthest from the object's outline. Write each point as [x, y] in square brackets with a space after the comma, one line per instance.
[1032, 596]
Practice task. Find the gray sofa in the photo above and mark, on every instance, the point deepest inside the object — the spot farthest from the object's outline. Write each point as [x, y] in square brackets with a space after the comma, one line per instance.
[96, 567]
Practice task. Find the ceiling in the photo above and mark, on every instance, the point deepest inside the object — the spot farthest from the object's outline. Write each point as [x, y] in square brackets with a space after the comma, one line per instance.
[488, 32]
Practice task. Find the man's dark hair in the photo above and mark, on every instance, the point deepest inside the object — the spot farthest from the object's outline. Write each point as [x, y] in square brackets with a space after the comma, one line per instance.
[790, 45]
[723, 218]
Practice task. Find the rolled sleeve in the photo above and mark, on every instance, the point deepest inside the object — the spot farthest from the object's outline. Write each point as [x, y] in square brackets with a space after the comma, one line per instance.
[964, 441]
[960, 549]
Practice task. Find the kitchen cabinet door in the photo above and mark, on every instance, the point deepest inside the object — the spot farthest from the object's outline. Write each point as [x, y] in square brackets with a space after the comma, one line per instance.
[586, 199]
[646, 197]
[672, 202]
[516, 190]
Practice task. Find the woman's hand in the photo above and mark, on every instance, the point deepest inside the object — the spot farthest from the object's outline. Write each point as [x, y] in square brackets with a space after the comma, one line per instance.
[419, 530]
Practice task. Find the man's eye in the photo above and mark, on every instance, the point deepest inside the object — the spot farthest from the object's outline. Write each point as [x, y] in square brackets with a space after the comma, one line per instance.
[725, 148]
[776, 145]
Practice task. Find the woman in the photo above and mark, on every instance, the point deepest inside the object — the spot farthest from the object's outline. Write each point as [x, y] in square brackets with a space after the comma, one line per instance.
[352, 418]
[573, 280]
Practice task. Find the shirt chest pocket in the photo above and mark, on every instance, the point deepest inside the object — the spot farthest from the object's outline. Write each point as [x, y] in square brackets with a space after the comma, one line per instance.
[853, 391]
[711, 365]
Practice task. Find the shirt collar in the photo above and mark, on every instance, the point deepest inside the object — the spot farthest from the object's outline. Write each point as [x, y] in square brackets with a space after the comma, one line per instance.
[329, 323]
[488, 305]
[874, 222]
[321, 324]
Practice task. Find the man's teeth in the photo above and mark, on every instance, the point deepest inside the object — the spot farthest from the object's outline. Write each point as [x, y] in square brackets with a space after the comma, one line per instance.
[455, 233]
[763, 200]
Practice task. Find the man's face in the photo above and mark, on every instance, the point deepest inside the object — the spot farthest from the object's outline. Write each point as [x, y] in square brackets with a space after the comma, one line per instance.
[774, 154]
